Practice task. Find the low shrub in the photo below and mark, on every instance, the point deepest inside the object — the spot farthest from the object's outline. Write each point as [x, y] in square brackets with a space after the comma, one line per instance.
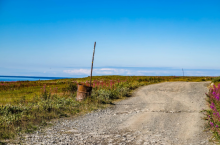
[217, 79]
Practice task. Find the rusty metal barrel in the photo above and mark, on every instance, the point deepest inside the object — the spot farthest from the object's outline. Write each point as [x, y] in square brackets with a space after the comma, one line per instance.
[83, 92]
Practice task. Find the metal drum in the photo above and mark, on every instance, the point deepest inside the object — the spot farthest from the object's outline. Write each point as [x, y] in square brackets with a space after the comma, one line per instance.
[83, 92]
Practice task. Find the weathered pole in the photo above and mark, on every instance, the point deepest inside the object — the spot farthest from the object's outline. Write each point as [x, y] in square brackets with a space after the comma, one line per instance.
[183, 72]
[92, 65]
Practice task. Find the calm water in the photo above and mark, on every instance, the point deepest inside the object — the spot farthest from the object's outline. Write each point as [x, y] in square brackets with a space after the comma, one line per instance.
[27, 78]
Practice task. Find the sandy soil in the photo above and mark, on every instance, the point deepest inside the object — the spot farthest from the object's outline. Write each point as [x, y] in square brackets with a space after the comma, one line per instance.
[173, 107]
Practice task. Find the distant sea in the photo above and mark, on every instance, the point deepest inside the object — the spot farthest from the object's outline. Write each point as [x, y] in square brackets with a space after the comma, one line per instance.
[26, 78]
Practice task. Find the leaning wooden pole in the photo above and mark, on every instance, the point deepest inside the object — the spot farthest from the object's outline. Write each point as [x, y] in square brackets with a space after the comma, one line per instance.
[183, 72]
[92, 65]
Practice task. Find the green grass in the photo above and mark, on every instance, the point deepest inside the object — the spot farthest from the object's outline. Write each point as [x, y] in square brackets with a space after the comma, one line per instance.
[25, 106]
[216, 80]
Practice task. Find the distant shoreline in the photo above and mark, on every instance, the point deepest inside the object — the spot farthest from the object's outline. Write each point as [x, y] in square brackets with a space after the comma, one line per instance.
[34, 77]
[28, 78]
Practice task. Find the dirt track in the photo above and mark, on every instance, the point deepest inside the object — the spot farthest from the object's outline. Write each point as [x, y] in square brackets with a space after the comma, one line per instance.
[165, 113]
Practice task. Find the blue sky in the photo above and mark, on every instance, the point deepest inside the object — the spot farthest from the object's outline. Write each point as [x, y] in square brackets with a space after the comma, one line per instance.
[55, 38]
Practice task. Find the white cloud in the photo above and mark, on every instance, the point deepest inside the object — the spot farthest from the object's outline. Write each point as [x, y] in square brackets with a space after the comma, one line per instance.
[102, 71]
[136, 72]
[110, 71]
[107, 69]
[146, 71]
[78, 71]
[152, 72]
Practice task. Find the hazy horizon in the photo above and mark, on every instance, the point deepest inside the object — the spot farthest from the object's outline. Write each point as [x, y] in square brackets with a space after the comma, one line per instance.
[78, 72]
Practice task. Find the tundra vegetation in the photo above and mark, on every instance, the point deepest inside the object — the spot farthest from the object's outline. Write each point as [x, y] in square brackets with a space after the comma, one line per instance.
[26, 106]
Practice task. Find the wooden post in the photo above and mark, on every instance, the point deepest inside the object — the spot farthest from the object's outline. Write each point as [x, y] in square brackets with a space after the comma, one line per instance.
[183, 72]
[92, 65]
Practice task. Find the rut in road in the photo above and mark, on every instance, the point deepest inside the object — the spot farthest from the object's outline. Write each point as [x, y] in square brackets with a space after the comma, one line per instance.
[165, 113]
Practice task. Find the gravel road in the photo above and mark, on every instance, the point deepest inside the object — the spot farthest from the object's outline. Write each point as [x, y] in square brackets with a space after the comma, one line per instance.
[166, 113]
